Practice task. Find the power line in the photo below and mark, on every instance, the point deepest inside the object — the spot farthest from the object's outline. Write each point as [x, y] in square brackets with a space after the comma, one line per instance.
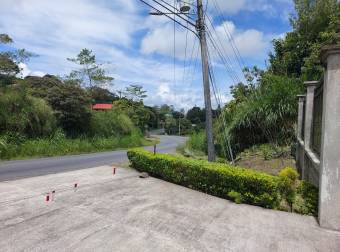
[173, 12]
[225, 62]
[230, 36]
[168, 16]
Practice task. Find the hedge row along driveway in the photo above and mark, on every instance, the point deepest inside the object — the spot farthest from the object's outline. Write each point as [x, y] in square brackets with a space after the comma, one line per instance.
[220, 180]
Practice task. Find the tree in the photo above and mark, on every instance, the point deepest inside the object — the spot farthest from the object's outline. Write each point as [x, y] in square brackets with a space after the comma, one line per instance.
[196, 115]
[9, 61]
[72, 108]
[5, 39]
[71, 103]
[137, 112]
[316, 23]
[135, 93]
[90, 73]
[102, 95]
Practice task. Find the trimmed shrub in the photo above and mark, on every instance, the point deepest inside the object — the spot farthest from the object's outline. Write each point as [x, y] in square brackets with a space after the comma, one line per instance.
[247, 186]
[289, 177]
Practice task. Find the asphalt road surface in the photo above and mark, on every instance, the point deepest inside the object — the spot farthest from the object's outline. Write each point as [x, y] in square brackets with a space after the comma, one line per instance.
[12, 170]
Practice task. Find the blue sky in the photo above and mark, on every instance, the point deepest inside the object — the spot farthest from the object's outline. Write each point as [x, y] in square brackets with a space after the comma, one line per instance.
[139, 49]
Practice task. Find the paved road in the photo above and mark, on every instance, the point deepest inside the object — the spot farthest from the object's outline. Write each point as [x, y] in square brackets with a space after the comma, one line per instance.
[13, 170]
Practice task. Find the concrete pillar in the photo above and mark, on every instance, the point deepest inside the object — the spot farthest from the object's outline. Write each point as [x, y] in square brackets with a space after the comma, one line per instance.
[329, 197]
[309, 109]
[300, 116]
[311, 86]
[300, 149]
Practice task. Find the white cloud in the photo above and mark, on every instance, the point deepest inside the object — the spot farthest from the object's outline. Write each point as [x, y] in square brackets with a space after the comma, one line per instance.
[114, 30]
[25, 71]
[161, 40]
[250, 43]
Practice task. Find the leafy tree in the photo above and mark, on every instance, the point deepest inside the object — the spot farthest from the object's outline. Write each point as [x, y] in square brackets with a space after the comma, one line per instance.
[137, 112]
[72, 108]
[5, 39]
[90, 73]
[196, 115]
[71, 103]
[9, 61]
[316, 23]
[135, 93]
[102, 95]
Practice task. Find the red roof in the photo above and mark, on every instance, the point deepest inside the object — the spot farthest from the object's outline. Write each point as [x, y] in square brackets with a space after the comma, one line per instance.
[102, 106]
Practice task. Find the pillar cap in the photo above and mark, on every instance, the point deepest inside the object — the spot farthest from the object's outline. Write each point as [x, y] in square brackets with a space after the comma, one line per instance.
[301, 97]
[311, 83]
[329, 50]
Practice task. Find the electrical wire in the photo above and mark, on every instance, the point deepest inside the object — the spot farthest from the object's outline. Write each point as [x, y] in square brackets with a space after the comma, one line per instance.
[168, 16]
[229, 35]
[174, 12]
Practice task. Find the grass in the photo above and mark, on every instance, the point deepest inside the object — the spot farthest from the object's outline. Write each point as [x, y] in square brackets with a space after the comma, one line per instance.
[266, 158]
[60, 146]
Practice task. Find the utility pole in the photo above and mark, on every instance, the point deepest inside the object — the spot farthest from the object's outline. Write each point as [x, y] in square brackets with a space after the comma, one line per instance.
[206, 83]
[200, 28]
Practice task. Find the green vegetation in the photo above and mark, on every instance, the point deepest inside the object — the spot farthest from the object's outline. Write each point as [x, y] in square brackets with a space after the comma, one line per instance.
[289, 177]
[48, 116]
[306, 201]
[263, 108]
[230, 182]
[14, 147]
[216, 179]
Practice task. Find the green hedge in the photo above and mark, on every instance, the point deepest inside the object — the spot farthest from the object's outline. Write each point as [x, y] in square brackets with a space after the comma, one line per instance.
[220, 180]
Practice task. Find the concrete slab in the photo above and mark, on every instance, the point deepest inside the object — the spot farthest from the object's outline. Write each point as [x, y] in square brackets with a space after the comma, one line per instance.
[127, 213]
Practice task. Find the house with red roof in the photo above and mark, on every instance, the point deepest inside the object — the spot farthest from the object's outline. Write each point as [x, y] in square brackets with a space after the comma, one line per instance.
[102, 106]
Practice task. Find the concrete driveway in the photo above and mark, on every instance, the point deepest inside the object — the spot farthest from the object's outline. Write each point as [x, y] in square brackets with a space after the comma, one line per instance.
[123, 212]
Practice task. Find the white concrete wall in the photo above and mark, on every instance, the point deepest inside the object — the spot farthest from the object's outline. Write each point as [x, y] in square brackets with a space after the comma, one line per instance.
[329, 198]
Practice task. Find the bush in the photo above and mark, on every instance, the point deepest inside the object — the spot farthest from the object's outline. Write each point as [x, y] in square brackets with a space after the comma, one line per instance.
[310, 196]
[197, 141]
[26, 115]
[217, 179]
[111, 123]
[288, 178]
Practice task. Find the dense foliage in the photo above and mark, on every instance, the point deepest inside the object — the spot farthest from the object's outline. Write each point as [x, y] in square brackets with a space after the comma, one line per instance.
[216, 179]
[25, 115]
[264, 108]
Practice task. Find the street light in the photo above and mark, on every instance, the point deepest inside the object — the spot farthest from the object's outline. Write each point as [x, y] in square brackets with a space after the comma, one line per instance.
[185, 6]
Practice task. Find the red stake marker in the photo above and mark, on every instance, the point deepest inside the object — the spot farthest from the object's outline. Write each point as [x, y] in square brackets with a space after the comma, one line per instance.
[114, 170]
[47, 197]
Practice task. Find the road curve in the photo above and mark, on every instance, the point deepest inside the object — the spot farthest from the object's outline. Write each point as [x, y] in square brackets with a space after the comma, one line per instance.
[12, 170]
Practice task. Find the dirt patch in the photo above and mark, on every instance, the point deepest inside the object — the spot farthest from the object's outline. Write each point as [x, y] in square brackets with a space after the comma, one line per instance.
[264, 160]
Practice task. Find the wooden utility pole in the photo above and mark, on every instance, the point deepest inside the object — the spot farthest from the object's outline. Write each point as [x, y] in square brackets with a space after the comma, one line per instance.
[206, 83]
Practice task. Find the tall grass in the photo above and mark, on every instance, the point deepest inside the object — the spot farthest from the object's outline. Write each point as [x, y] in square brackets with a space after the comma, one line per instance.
[60, 145]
